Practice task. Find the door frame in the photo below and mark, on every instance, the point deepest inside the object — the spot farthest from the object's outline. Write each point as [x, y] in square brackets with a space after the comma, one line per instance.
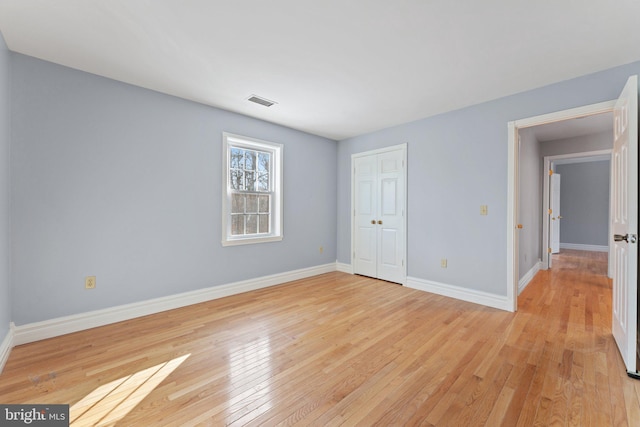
[554, 209]
[402, 147]
[513, 182]
[549, 164]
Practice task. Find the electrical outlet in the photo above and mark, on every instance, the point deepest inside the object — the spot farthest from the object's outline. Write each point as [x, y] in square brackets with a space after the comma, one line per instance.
[321, 249]
[90, 282]
[443, 263]
[484, 210]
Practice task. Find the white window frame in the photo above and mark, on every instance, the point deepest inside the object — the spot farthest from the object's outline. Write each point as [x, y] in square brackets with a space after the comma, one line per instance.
[229, 141]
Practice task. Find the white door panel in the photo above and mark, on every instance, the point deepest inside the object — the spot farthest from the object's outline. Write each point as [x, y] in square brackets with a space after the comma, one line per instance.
[367, 240]
[625, 223]
[388, 247]
[366, 199]
[389, 197]
[390, 163]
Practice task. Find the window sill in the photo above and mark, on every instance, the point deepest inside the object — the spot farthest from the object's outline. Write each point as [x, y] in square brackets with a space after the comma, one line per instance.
[251, 240]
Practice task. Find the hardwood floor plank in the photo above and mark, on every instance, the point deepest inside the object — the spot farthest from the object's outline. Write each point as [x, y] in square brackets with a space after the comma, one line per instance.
[521, 385]
[338, 349]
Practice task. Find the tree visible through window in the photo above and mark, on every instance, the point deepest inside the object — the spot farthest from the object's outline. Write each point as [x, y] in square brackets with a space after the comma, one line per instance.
[250, 198]
[252, 191]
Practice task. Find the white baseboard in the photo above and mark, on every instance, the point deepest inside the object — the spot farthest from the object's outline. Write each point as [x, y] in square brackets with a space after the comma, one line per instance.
[36, 331]
[64, 325]
[6, 346]
[344, 268]
[580, 247]
[524, 281]
[457, 292]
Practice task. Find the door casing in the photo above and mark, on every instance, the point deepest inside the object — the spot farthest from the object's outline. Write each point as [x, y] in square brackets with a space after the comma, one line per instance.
[554, 210]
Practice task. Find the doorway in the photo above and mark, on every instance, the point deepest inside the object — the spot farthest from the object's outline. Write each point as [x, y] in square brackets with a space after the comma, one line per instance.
[624, 211]
[583, 236]
[542, 146]
[513, 186]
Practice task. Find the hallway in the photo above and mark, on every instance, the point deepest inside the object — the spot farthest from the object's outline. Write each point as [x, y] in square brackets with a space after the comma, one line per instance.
[570, 309]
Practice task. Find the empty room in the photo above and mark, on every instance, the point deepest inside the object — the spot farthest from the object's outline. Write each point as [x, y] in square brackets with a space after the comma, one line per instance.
[319, 213]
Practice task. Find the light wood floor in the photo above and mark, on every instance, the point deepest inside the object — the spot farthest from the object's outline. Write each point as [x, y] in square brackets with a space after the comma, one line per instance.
[341, 349]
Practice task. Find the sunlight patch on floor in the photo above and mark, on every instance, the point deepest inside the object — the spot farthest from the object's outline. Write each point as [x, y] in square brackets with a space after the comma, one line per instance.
[109, 403]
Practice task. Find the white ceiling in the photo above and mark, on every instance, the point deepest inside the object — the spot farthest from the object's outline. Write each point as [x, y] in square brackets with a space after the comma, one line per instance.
[337, 68]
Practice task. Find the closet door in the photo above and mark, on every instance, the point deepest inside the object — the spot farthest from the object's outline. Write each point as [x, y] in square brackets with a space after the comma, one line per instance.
[379, 227]
[366, 185]
[390, 222]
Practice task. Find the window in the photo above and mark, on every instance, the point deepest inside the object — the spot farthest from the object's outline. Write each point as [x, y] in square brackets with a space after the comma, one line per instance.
[252, 190]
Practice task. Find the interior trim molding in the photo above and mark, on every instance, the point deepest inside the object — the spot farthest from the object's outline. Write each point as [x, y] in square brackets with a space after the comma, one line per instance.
[6, 346]
[36, 331]
[524, 281]
[344, 268]
[65, 325]
[581, 247]
[501, 302]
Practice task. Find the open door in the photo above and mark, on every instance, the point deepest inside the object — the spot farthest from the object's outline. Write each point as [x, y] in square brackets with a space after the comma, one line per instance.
[625, 223]
[554, 213]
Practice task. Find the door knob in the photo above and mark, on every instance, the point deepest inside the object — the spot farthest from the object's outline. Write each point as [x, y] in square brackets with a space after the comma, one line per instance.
[629, 238]
[553, 218]
[559, 216]
[373, 221]
[379, 222]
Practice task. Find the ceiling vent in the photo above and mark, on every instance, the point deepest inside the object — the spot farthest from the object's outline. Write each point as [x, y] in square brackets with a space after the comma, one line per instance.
[262, 101]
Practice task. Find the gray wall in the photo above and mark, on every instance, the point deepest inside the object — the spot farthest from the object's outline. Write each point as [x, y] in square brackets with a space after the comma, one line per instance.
[5, 171]
[530, 208]
[584, 203]
[457, 162]
[125, 184]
